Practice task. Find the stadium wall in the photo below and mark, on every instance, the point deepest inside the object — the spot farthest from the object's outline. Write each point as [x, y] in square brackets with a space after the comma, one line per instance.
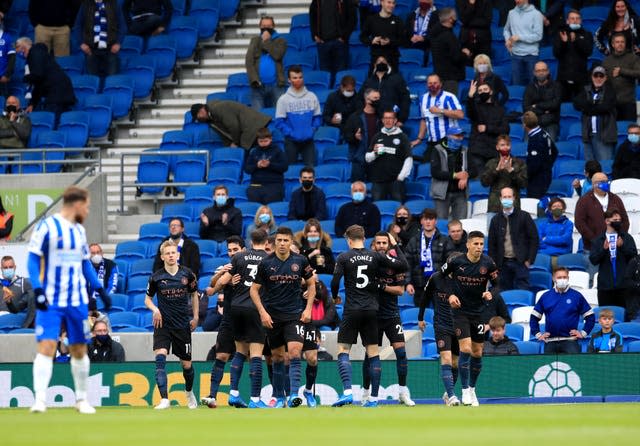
[530, 377]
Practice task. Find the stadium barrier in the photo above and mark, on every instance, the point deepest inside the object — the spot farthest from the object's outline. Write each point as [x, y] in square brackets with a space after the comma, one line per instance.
[529, 377]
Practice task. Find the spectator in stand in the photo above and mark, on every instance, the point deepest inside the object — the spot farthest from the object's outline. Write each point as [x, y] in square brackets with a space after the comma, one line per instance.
[341, 103]
[102, 347]
[589, 213]
[263, 220]
[298, 116]
[419, 25]
[383, 33]
[556, 232]
[457, 238]
[236, 123]
[439, 110]
[572, 46]
[583, 186]
[147, 17]
[7, 61]
[513, 243]
[403, 227]
[266, 164]
[316, 247]
[542, 97]
[483, 74]
[522, 36]
[450, 171]
[624, 69]
[605, 340]
[394, 94]
[597, 102]
[504, 171]
[632, 283]
[541, 155]
[563, 307]
[499, 343]
[6, 223]
[51, 88]
[627, 161]
[359, 131]
[188, 250]
[15, 125]
[621, 18]
[52, 22]
[611, 252]
[332, 22]
[102, 29]
[449, 56]
[223, 219]
[426, 253]
[17, 292]
[488, 121]
[107, 272]
[263, 63]
[475, 34]
[360, 211]
[390, 161]
[492, 308]
[308, 201]
[323, 312]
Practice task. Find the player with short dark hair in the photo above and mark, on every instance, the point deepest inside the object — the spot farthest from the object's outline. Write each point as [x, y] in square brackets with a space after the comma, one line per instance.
[173, 284]
[361, 269]
[471, 274]
[225, 345]
[280, 277]
[389, 323]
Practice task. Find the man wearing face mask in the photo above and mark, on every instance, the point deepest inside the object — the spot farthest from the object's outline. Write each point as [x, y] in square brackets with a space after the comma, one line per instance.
[513, 243]
[15, 125]
[563, 308]
[341, 103]
[419, 25]
[266, 164]
[223, 219]
[488, 121]
[394, 94]
[102, 347]
[17, 292]
[611, 252]
[541, 155]
[383, 33]
[263, 63]
[572, 46]
[450, 172]
[542, 97]
[107, 272]
[188, 250]
[627, 161]
[449, 57]
[360, 211]
[359, 131]
[623, 67]
[504, 171]
[308, 201]
[389, 159]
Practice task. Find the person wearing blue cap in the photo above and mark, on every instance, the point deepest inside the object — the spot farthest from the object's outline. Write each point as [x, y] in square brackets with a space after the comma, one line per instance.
[450, 175]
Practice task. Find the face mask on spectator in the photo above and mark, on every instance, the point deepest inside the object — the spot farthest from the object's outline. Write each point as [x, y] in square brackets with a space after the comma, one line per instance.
[8, 273]
[483, 67]
[221, 200]
[313, 239]
[264, 218]
[358, 197]
[507, 203]
[562, 284]
[96, 259]
[575, 26]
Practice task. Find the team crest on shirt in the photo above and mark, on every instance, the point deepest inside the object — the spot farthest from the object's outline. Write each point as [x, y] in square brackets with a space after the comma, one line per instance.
[184, 281]
[568, 301]
[396, 141]
[440, 343]
[483, 270]
[295, 268]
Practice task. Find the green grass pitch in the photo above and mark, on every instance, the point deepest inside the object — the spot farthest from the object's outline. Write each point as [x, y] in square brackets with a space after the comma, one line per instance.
[539, 425]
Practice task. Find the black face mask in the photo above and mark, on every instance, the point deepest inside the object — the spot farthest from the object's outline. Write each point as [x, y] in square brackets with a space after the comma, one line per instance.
[382, 67]
[11, 109]
[103, 339]
[616, 225]
[307, 184]
[484, 97]
[269, 30]
[402, 220]
[175, 236]
[375, 104]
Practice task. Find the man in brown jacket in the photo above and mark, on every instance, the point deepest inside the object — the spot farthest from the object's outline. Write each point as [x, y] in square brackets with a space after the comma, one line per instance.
[589, 213]
[503, 171]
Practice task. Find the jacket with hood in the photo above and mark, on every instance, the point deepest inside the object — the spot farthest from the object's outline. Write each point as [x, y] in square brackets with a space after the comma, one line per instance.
[298, 114]
[217, 230]
[526, 23]
[556, 236]
[394, 93]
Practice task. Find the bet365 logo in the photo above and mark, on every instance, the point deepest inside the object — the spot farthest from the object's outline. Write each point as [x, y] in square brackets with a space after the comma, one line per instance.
[555, 379]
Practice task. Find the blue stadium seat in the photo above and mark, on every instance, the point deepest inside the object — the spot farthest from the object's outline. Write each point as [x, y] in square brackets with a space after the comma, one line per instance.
[130, 330]
[124, 319]
[208, 248]
[429, 350]
[568, 150]
[423, 172]
[23, 331]
[228, 9]
[210, 265]
[416, 190]
[326, 137]
[300, 21]
[163, 48]
[142, 267]
[207, 16]
[528, 347]
[328, 226]
[632, 347]
[192, 228]
[11, 321]
[539, 280]
[417, 206]
[143, 74]
[228, 156]
[185, 31]
[131, 251]
[131, 45]
[560, 187]
[542, 263]
[75, 125]
[429, 334]
[99, 108]
[477, 191]
[199, 195]
[73, 65]
[359, 58]
[314, 80]
[152, 168]
[280, 210]
[338, 190]
[190, 169]
[120, 87]
[574, 133]
[294, 225]
[514, 332]
[618, 312]
[630, 331]
[305, 59]
[569, 169]
[227, 175]
[575, 262]
[205, 137]
[176, 210]
[238, 83]
[152, 231]
[410, 59]
[516, 93]
[119, 302]
[85, 85]
[328, 174]
[338, 154]
[40, 121]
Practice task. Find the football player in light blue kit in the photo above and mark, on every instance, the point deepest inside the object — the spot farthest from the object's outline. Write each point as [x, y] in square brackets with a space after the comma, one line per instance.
[59, 268]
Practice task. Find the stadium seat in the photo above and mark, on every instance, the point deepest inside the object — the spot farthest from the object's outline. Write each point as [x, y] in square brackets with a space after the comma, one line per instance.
[73, 65]
[338, 154]
[120, 88]
[300, 21]
[119, 302]
[85, 85]
[626, 186]
[575, 262]
[528, 347]
[360, 75]
[632, 347]
[618, 312]
[417, 206]
[152, 168]
[142, 267]
[11, 321]
[630, 331]
[560, 187]
[190, 169]
[176, 210]
[568, 150]
[131, 45]
[294, 225]
[99, 108]
[326, 137]
[143, 73]
[327, 174]
[30, 331]
[137, 284]
[130, 330]
[131, 251]
[238, 83]
[305, 59]
[517, 298]
[569, 169]
[185, 31]
[75, 125]
[579, 279]
[515, 332]
[423, 172]
[209, 266]
[207, 17]
[539, 280]
[415, 190]
[201, 196]
[152, 231]
[124, 319]
[317, 79]
[228, 156]
[280, 210]
[208, 249]
[163, 49]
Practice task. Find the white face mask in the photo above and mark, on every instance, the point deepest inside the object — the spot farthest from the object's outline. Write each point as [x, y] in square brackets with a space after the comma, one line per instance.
[483, 68]
[348, 94]
[562, 284]
[96, 259]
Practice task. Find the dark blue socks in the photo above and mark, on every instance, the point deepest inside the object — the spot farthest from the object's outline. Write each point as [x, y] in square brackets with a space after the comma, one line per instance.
[217, 372]
[161, 375]
[278, 379]
[188, 375]
[463, 367]
[375, 370]
[475, 364]
[447, 378]
[237, 365]
[401, 365]
[255, 372]
[344, 369]
[366, 377]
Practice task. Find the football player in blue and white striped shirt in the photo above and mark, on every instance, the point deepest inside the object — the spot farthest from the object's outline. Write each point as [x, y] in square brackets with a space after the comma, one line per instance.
[59, 267]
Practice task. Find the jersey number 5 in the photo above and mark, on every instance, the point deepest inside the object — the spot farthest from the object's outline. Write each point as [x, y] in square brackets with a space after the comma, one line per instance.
[360, 274]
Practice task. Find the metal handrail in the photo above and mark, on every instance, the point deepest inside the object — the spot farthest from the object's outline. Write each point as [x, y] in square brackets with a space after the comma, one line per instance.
[124, 185]
[20, 237]
[43, 162]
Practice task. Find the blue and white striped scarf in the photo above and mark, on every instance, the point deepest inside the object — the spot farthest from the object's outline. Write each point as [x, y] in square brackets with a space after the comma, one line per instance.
[100, 26]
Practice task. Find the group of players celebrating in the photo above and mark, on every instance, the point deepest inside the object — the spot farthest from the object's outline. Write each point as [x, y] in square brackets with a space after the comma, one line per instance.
[268, 300]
